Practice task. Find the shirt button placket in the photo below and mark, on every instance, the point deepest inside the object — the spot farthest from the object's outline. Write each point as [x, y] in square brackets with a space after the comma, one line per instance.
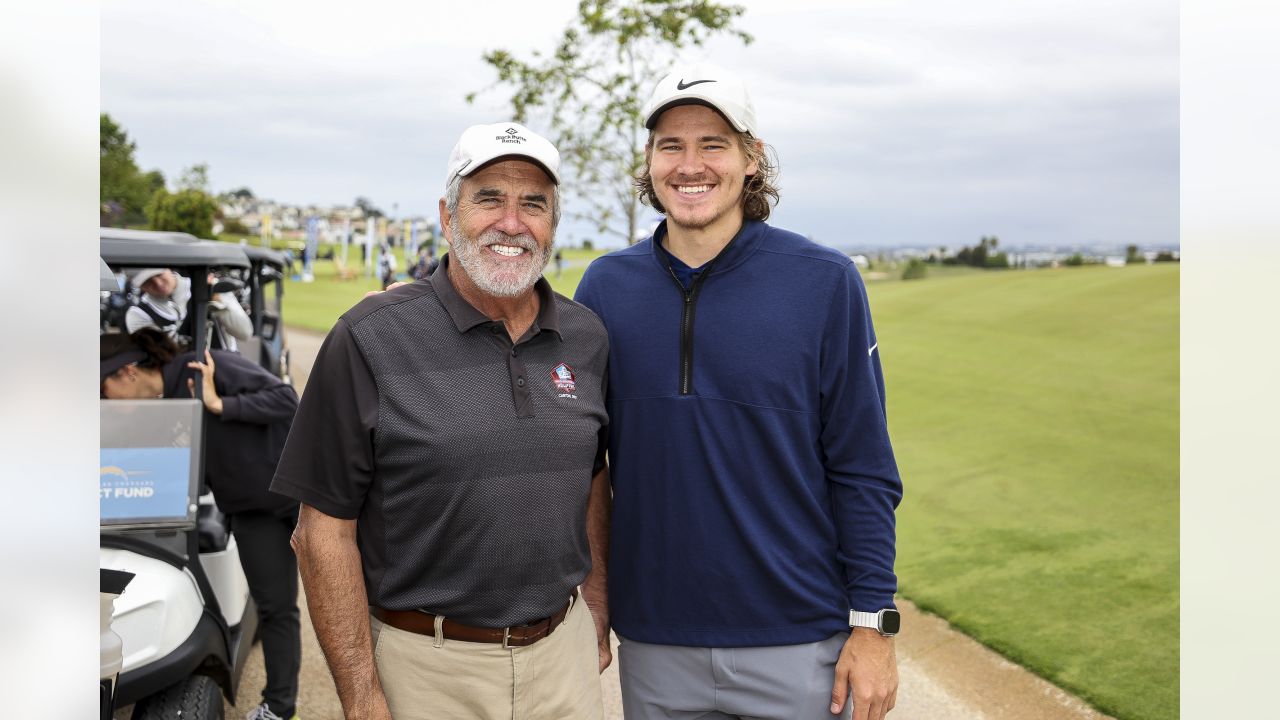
[519, 385]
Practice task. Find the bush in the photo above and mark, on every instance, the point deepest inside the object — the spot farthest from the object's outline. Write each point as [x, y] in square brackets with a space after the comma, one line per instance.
[234, 226]
[915, 270]
[1165, 256]
[1075, 260]
[189, 211]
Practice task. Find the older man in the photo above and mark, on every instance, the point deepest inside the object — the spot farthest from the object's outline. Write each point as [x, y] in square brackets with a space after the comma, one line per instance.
[754, 482]
[449, 455]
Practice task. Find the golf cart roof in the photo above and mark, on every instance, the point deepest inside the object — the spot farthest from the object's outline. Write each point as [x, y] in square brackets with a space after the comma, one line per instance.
[147, 235]
[266, 255]
[108, 282]
[143, 248]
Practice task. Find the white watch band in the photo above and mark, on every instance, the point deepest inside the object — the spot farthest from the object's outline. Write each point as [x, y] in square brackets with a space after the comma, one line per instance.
[864, 619]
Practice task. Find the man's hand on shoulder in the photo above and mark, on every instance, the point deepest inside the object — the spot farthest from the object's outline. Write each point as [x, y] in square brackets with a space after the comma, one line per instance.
[392, 286]
[869, 663]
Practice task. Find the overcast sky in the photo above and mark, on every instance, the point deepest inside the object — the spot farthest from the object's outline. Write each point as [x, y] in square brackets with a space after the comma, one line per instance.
[896, 123]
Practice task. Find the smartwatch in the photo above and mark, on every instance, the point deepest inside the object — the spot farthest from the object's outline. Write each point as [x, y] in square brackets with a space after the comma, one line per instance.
[887, 622]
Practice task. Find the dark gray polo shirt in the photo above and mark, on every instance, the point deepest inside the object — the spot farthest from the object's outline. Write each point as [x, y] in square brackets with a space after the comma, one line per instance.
[466, 460]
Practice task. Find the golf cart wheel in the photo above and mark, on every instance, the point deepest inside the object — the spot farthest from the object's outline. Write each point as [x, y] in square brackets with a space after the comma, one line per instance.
[196, 698]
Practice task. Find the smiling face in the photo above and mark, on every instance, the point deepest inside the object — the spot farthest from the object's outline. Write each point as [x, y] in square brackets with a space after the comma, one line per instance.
[502, 231]
[698, 170]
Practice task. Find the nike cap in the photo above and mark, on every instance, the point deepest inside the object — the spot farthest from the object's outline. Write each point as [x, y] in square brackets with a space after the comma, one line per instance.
[703, 84]
[482, 144]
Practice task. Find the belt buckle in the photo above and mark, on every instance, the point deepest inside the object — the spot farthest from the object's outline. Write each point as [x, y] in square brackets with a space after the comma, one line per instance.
[506, 638]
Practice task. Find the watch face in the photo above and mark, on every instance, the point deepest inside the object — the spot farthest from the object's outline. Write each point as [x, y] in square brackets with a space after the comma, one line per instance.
[890, 622]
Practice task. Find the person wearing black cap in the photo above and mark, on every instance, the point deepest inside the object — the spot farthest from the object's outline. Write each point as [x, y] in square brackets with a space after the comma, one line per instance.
[751, 568]
[248, 415]
[449, 455]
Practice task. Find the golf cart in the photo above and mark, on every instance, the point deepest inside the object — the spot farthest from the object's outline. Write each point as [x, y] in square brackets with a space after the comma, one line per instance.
[187, 621]
[265, 269]
[266, 308]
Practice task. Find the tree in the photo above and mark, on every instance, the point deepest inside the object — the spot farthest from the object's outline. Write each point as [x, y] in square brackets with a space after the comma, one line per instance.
[915, 270]
[122, 187]
[195, 177]
[367, 207]
[189, 211]
[1131, 255]
[589, 91]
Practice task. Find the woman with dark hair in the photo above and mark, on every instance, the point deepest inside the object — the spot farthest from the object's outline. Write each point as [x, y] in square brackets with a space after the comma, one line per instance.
[248, 412]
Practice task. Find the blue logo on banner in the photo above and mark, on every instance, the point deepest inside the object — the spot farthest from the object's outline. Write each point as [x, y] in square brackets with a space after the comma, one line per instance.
[144, 483]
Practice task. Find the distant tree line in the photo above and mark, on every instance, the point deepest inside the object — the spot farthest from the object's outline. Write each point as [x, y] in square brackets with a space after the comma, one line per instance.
[982, 255]
[130, 197]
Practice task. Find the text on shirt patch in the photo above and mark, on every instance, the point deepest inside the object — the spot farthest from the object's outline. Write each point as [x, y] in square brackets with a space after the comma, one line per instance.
[562, 376]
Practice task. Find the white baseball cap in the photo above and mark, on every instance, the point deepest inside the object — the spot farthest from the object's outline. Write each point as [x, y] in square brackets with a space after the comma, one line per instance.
[482, 144]
[703, 84]
[140, 277]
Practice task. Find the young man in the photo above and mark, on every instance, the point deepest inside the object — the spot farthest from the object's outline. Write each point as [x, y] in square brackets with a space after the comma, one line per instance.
[754, 482]
[449, 456]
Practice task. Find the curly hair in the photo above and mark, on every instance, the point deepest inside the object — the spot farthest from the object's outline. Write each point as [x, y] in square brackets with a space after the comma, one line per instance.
[759, 192]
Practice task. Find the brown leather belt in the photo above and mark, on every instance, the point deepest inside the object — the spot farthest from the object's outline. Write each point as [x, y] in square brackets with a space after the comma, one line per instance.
[423, 623]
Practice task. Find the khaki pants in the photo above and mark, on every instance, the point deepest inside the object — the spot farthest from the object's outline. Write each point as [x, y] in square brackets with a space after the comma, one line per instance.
[556, 678]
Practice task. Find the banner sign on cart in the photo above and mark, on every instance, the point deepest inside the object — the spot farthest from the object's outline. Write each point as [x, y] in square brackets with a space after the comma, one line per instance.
[146, 484]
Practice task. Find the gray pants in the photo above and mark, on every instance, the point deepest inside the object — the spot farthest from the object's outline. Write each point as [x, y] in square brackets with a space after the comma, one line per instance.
[781, 682]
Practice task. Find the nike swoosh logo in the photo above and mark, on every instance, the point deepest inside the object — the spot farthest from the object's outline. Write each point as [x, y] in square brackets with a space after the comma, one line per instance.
[683, 85]
[872, 348]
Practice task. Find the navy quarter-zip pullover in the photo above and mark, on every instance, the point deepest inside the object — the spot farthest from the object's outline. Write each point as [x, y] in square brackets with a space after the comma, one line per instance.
[754, 481]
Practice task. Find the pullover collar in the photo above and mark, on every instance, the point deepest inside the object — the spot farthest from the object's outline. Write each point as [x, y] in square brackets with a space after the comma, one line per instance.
[743, 245]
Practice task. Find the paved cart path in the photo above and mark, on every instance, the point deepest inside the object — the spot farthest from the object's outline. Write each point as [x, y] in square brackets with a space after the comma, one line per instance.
[944, 674]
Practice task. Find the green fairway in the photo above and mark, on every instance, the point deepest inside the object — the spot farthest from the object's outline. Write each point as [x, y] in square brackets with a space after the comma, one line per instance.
[1035, 420]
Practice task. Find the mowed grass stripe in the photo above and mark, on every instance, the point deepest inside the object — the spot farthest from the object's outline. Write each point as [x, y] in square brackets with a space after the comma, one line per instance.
[1035, 419]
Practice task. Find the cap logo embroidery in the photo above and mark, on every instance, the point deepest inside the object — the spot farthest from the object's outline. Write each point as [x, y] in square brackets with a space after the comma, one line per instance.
[512, 136]
[562, 376]
[683, 85]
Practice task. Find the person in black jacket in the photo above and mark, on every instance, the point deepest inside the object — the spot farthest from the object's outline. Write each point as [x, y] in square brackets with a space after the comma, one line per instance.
[248, 413]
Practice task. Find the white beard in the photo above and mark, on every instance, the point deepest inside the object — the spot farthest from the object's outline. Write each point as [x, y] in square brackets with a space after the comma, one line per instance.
[498, 280]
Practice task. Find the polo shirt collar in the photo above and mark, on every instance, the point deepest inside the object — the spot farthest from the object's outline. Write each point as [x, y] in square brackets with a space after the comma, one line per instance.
[466, 316]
